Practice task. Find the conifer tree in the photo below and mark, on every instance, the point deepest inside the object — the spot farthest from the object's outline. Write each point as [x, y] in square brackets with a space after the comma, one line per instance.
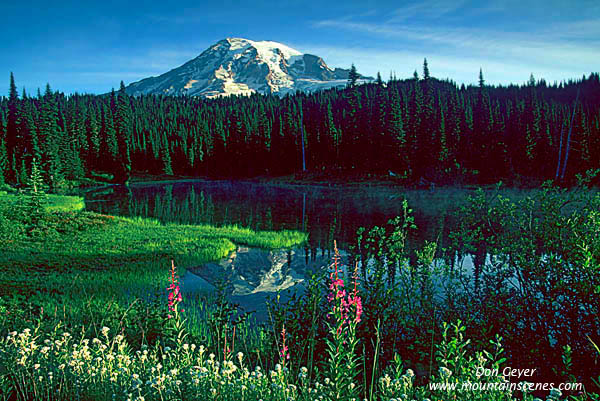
[35, 193]
[3, 161]
[12, 129]
[32, 204]
[333, 133]
[398, 135]
[166, 159]
[124, 134]
[425, 69]
[93, 139]
[31, 145]
[353, 76]
[50, 134]
[109, 145]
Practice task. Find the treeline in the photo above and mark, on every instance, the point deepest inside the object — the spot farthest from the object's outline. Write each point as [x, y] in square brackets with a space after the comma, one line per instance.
[418, 129]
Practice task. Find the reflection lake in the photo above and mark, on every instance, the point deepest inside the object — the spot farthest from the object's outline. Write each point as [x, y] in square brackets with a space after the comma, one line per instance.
[325, 213]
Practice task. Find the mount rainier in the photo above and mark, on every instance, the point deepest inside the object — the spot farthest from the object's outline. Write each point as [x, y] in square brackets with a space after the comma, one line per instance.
[236, 66]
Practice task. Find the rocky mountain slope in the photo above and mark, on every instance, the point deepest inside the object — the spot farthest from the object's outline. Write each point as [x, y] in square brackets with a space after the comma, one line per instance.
[236, 66]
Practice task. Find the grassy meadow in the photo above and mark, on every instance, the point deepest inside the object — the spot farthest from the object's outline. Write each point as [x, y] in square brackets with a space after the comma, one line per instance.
[90, 309]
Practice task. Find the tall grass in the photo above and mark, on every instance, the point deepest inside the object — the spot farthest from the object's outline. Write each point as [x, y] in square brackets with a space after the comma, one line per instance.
[55, 203]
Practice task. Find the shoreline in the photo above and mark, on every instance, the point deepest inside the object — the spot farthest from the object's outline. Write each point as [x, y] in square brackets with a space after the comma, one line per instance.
[291, 181]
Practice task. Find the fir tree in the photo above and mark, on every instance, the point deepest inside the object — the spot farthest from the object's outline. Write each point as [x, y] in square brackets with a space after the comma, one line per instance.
[166, 160]
[109, 144]
[35, 196]
[124, 134]
[12, 129]
[3, 161]
[425, 70]
[398, 135]
[353, 76]
[93, 139]
[50, 134]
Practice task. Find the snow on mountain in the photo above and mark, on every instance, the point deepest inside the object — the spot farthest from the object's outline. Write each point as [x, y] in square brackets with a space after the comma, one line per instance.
[236, 66]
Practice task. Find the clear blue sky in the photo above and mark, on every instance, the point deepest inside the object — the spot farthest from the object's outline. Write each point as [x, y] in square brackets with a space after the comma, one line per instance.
[90, 47]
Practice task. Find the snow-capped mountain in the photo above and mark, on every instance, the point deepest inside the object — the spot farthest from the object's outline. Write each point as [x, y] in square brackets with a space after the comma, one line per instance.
[236, 66]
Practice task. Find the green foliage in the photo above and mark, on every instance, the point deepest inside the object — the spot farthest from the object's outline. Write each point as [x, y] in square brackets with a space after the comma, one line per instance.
[101, 280]
[3, 162]
[353, 76]
[548, 245]
[35, 197]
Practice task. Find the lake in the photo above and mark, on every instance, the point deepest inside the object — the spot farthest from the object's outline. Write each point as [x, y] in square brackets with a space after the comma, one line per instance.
[326, 213]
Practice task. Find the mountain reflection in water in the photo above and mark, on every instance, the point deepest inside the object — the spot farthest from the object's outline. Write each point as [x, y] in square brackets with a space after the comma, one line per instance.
[252, 275]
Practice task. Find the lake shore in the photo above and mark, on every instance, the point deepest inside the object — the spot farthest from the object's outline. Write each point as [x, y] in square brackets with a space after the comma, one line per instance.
[374, 181]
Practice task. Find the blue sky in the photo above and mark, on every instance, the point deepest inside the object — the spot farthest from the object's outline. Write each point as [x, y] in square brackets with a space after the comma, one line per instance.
[89, 47]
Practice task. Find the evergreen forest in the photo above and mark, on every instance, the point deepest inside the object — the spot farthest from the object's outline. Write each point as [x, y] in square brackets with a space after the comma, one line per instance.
[417, 130]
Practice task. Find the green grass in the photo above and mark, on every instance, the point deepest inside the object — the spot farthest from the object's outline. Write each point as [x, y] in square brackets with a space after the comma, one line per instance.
[62, 203]
[127, 252]
[70, 254]
[56, 203]
[83, 271]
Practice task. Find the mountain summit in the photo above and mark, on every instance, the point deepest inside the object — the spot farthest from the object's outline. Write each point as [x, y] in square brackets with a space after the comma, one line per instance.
[236, 66]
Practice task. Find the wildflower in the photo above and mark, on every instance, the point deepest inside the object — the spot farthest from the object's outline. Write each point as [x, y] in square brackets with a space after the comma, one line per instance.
[284, 352]
[357, 302]
[174, 291]
[228, 350]
[343, 302]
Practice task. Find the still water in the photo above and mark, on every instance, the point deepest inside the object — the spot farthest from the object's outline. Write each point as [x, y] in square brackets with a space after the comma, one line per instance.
[325, 213]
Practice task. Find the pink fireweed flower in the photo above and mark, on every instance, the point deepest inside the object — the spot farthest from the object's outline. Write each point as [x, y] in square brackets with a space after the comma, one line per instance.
[357, 302]
[343, 303]
[355, 299]
[284, 352]
[174, 295]
[227, 351]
